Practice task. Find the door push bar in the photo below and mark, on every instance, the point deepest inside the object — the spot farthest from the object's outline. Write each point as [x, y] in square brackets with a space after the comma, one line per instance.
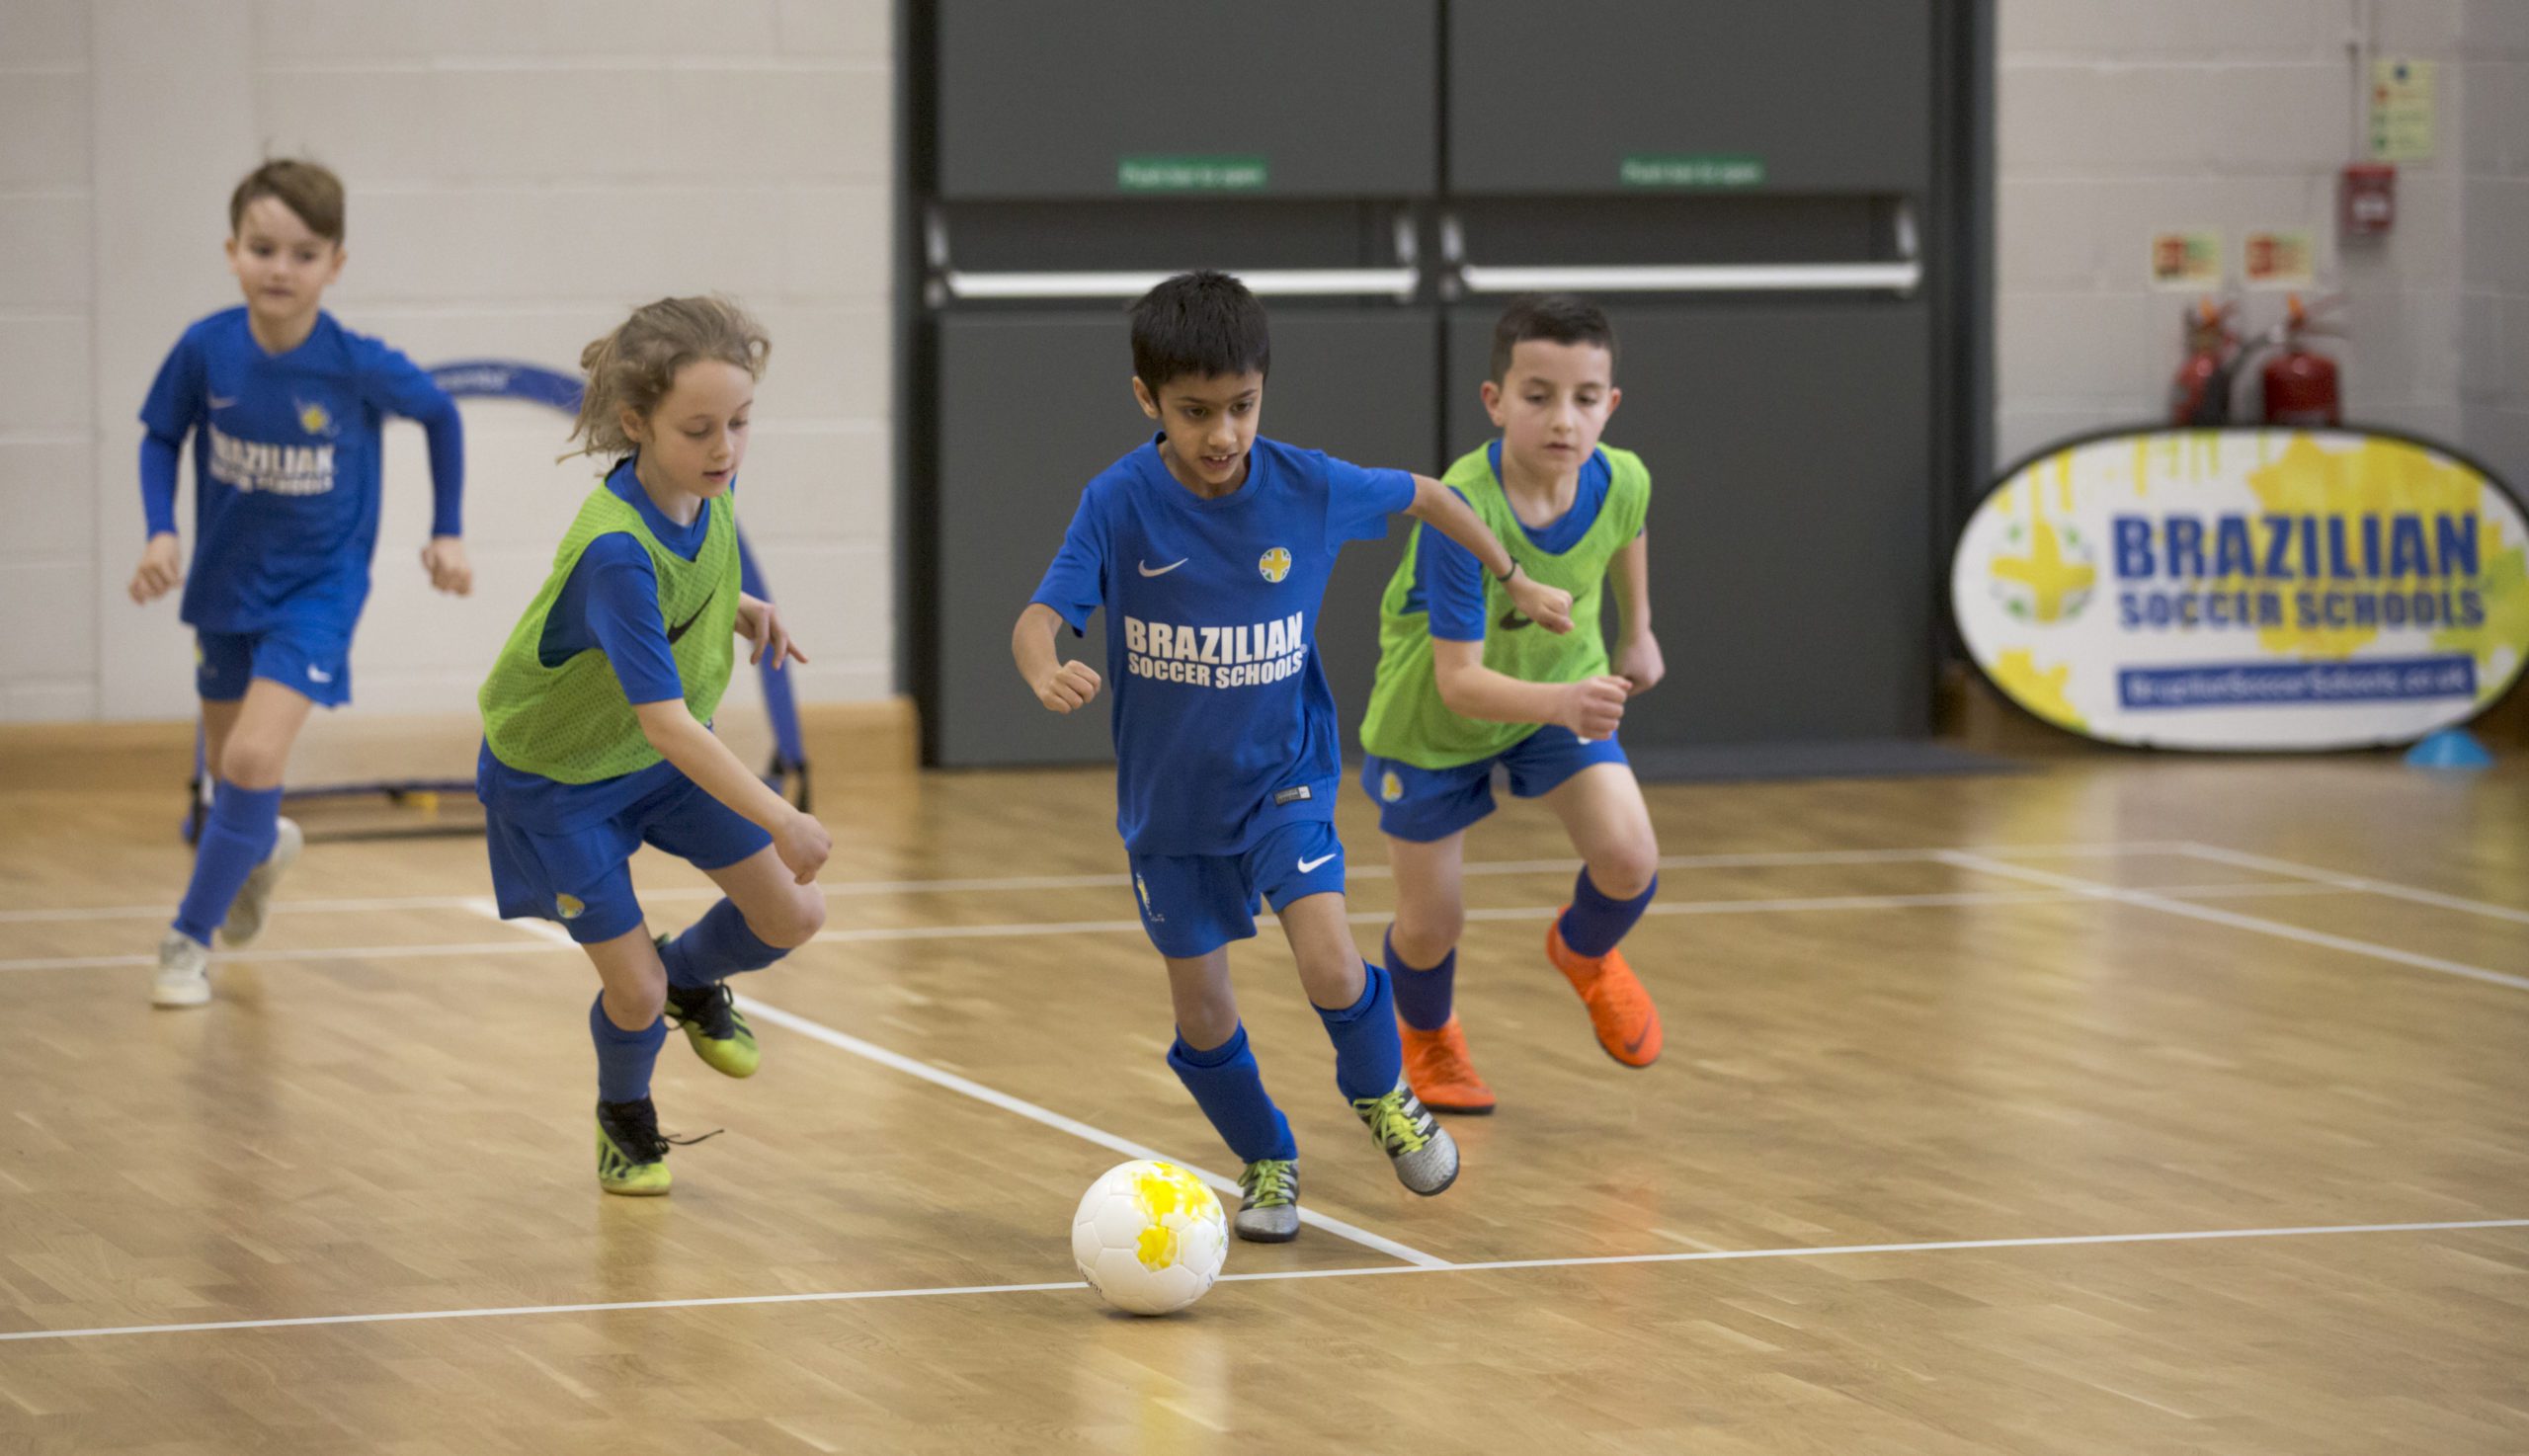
[1401, 283]
[1901, 277]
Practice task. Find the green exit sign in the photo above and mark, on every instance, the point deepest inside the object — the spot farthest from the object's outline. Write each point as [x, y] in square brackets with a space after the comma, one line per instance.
[1190, 174]
[1650, 170]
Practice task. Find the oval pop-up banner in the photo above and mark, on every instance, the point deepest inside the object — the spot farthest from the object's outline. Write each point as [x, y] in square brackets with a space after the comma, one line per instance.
[2246, 588]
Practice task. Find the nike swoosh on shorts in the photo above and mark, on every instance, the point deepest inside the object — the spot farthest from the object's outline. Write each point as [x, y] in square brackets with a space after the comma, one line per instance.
[1309, 867]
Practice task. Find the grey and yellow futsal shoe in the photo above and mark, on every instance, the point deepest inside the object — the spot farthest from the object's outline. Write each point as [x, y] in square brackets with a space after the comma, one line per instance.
[718, 1029]
[1424, 1155]
[255, 897]
[1268, 1210]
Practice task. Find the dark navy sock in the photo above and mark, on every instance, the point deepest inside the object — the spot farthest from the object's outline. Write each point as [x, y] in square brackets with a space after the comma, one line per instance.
[1423, 997]
[1368, 1057]
[715, 948]
[1595, 924]
[235, 838]
[1230, 1088]
[623, 1058]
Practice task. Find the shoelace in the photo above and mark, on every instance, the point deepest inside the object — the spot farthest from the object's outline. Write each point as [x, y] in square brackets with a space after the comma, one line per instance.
[1397, 1130]
[1272, 1182]
[635, 1127]
[713, 1011]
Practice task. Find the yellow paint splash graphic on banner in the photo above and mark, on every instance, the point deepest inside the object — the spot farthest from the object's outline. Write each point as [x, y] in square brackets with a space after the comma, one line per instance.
[2038, 690]
[2381, 478]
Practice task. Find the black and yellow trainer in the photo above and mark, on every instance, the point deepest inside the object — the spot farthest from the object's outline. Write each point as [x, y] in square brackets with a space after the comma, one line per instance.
[711, 1019]
[631, 1156]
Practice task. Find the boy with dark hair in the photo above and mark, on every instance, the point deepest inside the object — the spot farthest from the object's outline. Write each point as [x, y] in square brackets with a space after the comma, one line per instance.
[284, 407]
[1463, 685]
[1209, 548]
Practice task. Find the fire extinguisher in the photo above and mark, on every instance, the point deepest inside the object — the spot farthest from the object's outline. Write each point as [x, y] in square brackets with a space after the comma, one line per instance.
[2201, 394]
[2300, 383]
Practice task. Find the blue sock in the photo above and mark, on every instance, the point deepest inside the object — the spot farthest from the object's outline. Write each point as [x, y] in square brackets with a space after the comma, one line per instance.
[1595, 924]
[1368, 1058]
[623, 1058]
[235, 838]
[1230, 1090]
[715, 948]
[1423, 996]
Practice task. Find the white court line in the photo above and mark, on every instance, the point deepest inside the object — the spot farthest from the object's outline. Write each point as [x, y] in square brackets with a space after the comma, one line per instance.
[843, 889]
[2171, 905]
[2242, 859]
[1473, 1267]
[1081, 1130]
[967, 1087]
[547, 932]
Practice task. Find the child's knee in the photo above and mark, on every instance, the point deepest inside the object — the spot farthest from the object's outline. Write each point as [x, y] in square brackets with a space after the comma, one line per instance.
[1426, 932]
[1626, 870]
[634, 1009]
[791, 922]
[249, 764]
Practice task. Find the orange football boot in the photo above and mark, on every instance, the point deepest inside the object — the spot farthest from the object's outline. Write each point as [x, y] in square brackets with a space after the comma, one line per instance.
[1621, 1010]
[1438, 1068]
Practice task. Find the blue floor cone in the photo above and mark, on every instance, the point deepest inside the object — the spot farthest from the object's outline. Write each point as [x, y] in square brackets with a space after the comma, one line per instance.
[2451, 747]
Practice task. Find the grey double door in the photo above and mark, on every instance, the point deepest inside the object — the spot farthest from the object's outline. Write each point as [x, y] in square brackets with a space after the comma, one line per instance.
[1744, 188]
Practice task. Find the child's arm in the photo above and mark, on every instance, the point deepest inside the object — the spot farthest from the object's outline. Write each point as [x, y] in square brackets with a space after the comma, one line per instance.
[1638, 659]
[161, 566]
[1060, 685]
[402, 386]
[1075, 586]
[1438, 506]
[174, 405]
[699, 755]
[1591, 707]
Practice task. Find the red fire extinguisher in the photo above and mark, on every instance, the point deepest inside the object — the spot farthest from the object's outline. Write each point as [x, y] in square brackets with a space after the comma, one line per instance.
[2201, 394]
[2300, 383]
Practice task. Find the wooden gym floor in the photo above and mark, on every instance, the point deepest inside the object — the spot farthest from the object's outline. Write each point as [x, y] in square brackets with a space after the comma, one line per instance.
[2128, 1104]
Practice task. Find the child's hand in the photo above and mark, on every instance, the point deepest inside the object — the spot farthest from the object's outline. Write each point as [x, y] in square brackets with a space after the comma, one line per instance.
[760, 622]
[445, 559]
[804, 844]
[161, 568]
[1639, 663]
[1548, 606]
[1592, 708]
[1068, 685]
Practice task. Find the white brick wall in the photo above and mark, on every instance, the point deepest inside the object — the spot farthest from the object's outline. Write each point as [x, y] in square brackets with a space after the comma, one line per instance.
[520, 174]
[2118, 121]
[2494, 269]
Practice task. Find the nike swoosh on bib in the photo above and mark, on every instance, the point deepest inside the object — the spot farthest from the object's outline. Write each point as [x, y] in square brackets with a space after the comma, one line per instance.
[678, 631]
[1309, 867]
[1150, 570]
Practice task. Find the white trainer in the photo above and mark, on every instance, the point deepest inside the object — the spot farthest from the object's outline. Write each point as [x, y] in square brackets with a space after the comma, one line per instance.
[255, 899]
[183, 971]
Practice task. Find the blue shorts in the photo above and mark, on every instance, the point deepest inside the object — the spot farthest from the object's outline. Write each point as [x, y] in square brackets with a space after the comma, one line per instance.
[311, 661]
[1421, 805]
[584, 877]
[1194, 904]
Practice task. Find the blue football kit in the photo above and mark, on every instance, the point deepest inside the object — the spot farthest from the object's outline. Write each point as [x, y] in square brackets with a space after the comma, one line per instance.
[563, 850]
[287, 484]
[1227, 757]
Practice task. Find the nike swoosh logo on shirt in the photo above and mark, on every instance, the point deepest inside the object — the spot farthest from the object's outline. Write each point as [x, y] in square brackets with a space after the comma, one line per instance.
[1511, 620]
[678, 631]
[1308, 867]
[1150, 570]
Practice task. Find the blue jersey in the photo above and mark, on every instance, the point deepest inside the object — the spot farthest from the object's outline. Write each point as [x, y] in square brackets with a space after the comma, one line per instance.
[1224, 725]
[611, 604]
[1449, 582]
[285, 467]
